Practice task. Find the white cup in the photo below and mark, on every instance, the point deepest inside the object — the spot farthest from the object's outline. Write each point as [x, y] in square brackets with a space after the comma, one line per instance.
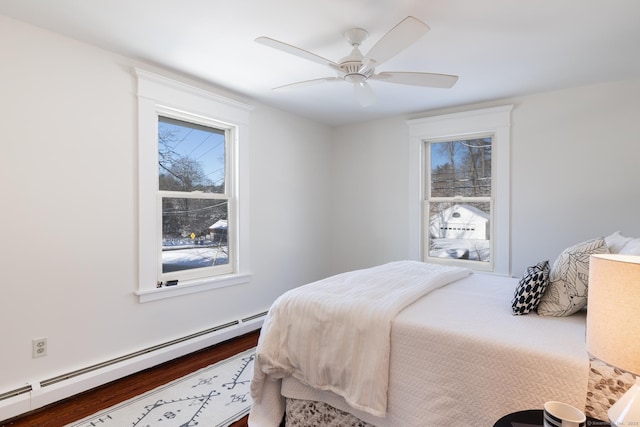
[558, 414]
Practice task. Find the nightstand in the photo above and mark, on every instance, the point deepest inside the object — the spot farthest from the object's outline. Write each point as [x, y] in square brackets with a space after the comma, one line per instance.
[533, 417]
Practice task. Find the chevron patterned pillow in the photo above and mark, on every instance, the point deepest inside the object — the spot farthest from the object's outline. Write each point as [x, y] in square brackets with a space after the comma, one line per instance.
[530, 288]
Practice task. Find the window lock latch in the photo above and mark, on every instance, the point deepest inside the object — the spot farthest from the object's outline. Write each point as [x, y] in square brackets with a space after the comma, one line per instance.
[167, 283]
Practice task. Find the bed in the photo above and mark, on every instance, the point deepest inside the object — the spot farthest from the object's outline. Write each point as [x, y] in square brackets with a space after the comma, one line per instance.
[455, 353]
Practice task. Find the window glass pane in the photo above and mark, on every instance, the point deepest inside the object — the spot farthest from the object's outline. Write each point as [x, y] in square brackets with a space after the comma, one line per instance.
[194, 233]
[191, 157]
[460, 230]
[461, 168]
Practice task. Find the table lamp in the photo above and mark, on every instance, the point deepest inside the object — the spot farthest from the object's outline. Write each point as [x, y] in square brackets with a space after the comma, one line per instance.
[613, 325]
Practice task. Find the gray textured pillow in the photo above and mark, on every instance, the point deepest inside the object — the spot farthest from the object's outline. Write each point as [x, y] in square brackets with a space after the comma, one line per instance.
[569, 279]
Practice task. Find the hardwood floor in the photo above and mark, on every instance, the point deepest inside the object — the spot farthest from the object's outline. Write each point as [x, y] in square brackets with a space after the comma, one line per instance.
[89, 402]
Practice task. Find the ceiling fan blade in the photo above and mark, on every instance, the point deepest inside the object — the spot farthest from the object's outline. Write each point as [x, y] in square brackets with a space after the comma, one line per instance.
[308, 82]
[364, 94]
[444, 81]
[403, 35]
[301, 53]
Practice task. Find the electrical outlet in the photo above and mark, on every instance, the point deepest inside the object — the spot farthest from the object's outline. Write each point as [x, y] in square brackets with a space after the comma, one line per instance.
[39, 347]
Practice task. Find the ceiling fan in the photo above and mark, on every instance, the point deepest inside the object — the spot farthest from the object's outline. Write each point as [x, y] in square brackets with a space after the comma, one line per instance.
[357, 68]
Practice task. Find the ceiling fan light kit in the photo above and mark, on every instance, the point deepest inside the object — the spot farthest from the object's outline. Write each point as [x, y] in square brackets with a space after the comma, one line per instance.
[357, 68]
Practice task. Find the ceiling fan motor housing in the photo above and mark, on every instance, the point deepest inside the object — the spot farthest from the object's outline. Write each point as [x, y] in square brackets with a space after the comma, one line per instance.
[354, 73]
[352, 66]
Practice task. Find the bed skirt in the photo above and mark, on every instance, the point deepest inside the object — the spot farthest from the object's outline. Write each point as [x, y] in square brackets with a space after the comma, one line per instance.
[305, 413]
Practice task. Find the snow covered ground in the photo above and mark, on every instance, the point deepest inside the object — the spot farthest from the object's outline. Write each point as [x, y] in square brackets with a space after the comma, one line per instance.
[193, 257]
[477, 250]
[188, 257]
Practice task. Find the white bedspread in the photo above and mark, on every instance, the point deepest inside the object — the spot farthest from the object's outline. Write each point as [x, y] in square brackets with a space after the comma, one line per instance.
[334, 334]
[460, 358]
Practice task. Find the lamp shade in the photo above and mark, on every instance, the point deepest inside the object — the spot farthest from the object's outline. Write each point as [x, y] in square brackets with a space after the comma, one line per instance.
[613, 310]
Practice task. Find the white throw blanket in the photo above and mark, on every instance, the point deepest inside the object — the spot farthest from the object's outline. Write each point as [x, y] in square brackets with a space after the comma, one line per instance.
[334, 334]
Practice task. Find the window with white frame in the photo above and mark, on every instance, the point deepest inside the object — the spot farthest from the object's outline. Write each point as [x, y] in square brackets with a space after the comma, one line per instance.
[460, 181]
[192, 189]
[194, 197]
[458, 199]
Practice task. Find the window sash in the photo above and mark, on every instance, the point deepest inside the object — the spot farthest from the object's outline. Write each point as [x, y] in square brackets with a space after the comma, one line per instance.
[197, 271]
[461, 174]
[202, 271]
[178, 118]
[470, 251]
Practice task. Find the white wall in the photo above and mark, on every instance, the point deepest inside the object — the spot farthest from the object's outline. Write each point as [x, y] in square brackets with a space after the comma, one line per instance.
[68, 170]
[575, 170]
[370, 200]
[575, 175]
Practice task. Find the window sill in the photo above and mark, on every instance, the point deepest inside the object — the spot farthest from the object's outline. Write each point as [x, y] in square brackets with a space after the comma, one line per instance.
[192, 286]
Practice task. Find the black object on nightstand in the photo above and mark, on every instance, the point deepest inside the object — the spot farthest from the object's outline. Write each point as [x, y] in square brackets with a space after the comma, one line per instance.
[533, 417]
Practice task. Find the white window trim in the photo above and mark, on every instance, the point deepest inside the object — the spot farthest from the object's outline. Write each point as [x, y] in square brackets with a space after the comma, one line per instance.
[157, 93]
[496, 121]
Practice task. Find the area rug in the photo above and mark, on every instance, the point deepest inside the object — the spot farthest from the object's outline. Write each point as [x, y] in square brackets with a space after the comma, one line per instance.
[216, 396]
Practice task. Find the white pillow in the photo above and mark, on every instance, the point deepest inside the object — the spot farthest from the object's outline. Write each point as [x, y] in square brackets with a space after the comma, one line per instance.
[616, 241]
[631, 248]
[569, 279]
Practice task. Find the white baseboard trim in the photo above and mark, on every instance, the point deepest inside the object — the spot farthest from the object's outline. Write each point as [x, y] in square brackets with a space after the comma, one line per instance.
[40, 396]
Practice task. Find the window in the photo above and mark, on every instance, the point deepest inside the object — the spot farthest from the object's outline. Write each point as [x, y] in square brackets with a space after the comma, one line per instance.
[193, 198]
[458, 199]
[192, 189]
[460, 182]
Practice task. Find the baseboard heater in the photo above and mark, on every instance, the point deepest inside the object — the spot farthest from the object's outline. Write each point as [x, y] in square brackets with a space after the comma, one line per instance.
[181, 346]
[101, 365]
[16, 392]
[254, 317]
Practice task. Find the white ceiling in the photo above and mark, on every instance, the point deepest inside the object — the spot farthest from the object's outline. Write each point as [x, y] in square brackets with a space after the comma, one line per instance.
[498, 48]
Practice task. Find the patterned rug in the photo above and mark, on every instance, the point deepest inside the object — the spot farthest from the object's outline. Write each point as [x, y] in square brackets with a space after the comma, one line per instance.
[216, 396]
